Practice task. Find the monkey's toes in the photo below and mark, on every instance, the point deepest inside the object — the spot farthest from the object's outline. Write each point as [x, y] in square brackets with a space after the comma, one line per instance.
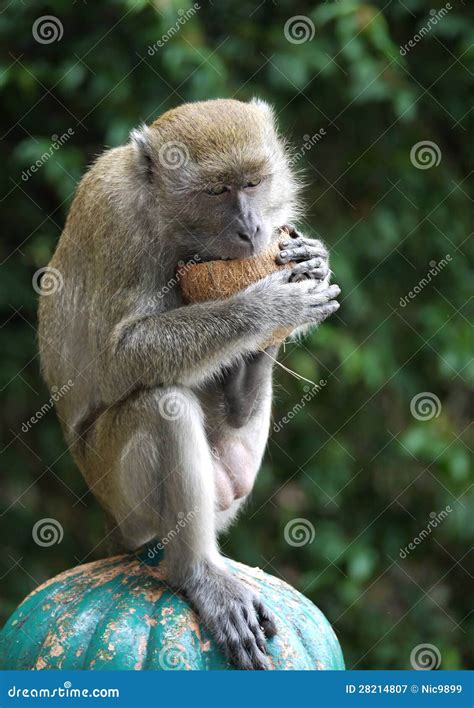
[243, 640]
[266, 619]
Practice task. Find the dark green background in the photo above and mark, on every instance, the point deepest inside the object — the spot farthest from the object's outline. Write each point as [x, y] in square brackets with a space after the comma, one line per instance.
[354, 462]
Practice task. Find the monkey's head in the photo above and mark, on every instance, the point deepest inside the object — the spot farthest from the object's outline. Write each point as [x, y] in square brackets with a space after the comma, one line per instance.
[219, 175]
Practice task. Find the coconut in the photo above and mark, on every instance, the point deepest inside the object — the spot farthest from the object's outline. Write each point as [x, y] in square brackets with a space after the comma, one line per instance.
[215, 280]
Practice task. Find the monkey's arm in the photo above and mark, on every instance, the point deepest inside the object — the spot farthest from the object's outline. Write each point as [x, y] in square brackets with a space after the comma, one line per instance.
[191, 344]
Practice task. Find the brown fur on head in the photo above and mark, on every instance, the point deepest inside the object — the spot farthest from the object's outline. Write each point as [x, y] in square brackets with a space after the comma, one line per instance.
[229, 138]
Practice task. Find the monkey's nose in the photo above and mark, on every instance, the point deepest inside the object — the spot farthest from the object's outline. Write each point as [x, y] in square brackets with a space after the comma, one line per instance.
[247, 235]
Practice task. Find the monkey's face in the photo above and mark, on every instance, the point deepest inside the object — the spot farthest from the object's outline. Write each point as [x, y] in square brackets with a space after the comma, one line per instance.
[221, 176]
[230, 199]
[230, 203]
[229, 218]
[230, 208]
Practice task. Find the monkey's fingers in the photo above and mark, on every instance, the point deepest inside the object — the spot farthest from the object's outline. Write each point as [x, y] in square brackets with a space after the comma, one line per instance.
[319, 304]
[315, 268]
[322, 312]
[300, 249]
[256, 630]
[227, 608]
[321, 297]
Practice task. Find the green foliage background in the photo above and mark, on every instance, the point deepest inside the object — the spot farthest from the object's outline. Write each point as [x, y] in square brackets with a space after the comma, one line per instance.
[354, 461]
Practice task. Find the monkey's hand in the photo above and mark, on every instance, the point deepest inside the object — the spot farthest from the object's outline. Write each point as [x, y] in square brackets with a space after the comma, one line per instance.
[233, 614]
[310, 255]
[290, 304]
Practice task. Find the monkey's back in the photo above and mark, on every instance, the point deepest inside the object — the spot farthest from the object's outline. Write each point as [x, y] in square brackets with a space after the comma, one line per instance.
[76, 318]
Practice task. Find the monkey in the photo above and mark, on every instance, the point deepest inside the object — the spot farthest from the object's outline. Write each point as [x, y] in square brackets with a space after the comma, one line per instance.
[171, 404]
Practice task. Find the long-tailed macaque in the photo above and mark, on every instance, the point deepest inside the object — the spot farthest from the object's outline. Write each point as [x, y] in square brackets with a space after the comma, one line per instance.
[170, 408]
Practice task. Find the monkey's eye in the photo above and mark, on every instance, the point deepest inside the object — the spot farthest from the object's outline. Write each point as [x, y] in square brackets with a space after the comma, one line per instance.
[253, 182]
[217, 189]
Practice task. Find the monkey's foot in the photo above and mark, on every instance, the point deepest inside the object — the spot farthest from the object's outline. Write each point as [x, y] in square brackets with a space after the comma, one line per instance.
[233, 614]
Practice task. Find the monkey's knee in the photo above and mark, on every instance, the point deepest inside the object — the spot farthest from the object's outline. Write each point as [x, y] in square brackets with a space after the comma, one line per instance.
[225, 495]
[235, 472]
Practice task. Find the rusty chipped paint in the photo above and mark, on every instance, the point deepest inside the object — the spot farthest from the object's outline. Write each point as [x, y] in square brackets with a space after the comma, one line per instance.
[117, 613]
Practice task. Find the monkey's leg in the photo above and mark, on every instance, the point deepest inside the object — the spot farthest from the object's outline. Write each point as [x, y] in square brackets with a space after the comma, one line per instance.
[164, 475]
[245, 384]
[232, 612]
[237, 414]
[238, 454]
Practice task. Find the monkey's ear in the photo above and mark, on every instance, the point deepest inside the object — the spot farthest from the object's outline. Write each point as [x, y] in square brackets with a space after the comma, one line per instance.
[265, 108]
[140, 138]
